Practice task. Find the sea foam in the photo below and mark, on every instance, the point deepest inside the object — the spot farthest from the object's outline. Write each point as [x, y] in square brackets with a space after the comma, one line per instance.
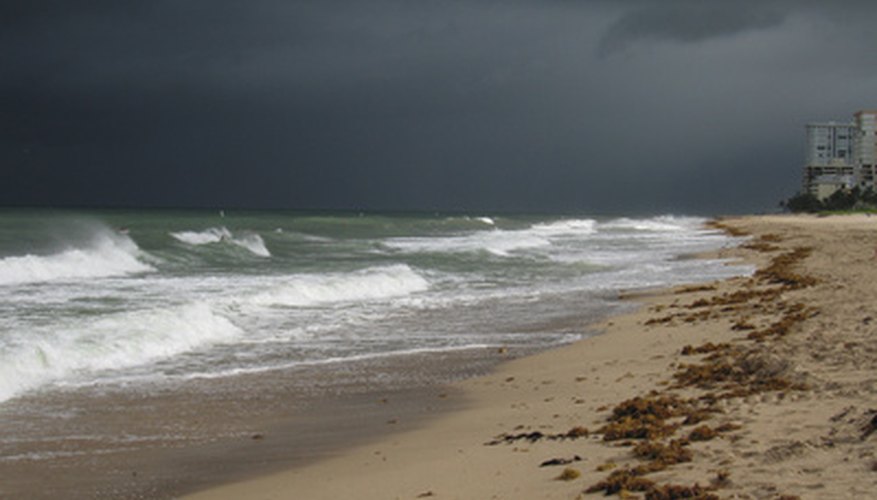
[107, 254]
[370, 284]
[112, 342]
[251, 242]
[498, 242]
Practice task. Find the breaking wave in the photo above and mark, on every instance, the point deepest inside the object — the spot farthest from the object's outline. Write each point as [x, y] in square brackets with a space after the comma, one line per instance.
[108, 254]
[118, 341]
[498, 242]
[665, 223]
[370, 284]
[251, 242]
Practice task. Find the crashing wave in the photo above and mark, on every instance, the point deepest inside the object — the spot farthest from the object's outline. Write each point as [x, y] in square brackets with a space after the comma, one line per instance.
[108, 254]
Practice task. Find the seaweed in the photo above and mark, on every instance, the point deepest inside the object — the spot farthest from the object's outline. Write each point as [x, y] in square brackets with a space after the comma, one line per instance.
[646, 427]
[560, 461]
[761, 246]
[704, 348]
[663, 455]
[662, 407]
[779, 270]
[728, 427]
[742, 324]
[628, 480]
[532, 437]
[622, 480]
[568, 474]
[702, 433]
[675, 491]
[698, 416]
[606, 466]
[694, 289]
[795, 314]
[729, 230]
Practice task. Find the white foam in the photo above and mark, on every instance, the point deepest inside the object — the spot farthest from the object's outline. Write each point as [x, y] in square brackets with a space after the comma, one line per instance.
[497, 242]
[112, 342]
[576, 227]
[370, 284]
[205, 237]
[665, 223]
[253, 243]
[248, 241]
[108, 254]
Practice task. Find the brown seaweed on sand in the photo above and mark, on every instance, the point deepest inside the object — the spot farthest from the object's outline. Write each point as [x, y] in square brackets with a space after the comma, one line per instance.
[532, 437]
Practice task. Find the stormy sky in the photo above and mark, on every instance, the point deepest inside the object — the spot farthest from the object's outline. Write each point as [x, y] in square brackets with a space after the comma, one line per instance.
[482, 105]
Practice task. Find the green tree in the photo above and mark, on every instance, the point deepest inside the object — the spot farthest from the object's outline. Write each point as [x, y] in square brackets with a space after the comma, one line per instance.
[842, 199]
[803, 202]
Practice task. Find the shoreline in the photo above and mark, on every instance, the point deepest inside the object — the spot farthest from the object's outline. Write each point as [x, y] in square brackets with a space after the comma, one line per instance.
[806, 436]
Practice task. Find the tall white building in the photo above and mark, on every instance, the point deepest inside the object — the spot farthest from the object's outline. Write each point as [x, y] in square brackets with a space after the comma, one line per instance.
[830, 158]
[865, 148]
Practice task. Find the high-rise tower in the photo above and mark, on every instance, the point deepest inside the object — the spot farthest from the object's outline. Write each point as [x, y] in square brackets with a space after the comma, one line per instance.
[865, 148]
[829, 158]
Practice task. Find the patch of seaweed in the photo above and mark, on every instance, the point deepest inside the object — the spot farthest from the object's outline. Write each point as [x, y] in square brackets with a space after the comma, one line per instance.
[644, 417]
[702, 433]
[662, 455]
[779, 271]
[675, 491]
[729, 230]
[761, 246]
[646, 427]
[622, 480]
[738, 373]
[627, 480]
[560, 461]
[728, 427]
[695, 289]
[532, 437]
[568, 474]
[705, 348]
[698, 416]
[796, 313]
[660, 321]
[660, 406]
[742, 324]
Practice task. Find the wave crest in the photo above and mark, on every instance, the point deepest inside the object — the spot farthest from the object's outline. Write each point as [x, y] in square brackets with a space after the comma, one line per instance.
[108, 254]
[371, 284]
[114, 342]
[251, 242]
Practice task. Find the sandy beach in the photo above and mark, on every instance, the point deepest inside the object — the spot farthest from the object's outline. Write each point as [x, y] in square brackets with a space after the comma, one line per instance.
[753, 387]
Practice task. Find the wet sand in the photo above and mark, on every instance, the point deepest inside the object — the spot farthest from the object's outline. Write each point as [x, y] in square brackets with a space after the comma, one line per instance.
[755, 387]
[162, 442]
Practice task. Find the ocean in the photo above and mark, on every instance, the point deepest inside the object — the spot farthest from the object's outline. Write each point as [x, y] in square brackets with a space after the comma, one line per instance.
[133, 305]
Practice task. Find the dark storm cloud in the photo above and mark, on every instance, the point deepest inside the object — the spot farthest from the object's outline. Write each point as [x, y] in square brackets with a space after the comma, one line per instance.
[690, 21]
[476, 104]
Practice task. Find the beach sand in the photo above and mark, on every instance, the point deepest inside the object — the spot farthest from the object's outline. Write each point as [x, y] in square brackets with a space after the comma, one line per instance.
[754, 387]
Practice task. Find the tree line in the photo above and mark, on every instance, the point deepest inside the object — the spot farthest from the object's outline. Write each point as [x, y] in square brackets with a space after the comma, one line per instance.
[841, 200]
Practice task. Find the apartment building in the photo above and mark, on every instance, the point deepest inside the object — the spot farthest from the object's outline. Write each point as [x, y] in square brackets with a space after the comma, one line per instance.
[841, 155]
[830, 158]
[865, 147]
